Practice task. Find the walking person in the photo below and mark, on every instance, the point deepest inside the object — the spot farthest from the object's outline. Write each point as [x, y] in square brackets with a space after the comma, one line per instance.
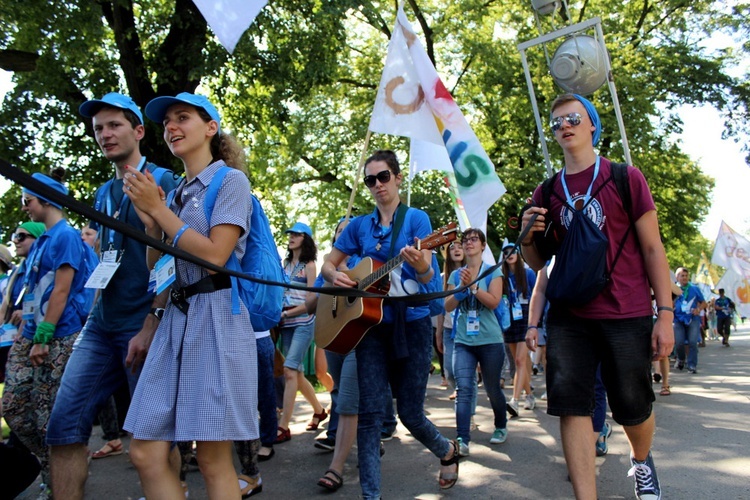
[297, 328]
[454, 259]
[119, 330]
[723, 307]
[199, 382]
[55, 305]
[478, 341]
[399, 349]
[615, 327]
[687, 321]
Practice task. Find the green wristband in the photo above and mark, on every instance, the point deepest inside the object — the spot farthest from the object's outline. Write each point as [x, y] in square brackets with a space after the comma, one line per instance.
[44, 332]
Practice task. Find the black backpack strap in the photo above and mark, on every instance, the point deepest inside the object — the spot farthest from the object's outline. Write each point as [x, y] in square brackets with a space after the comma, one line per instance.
[547, 190]
[620, 178]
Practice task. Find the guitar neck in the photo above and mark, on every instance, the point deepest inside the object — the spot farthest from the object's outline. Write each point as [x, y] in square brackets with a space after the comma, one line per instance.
[381, 272]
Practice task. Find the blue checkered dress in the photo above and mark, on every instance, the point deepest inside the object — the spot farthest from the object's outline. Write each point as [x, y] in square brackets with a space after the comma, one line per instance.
[199, 381]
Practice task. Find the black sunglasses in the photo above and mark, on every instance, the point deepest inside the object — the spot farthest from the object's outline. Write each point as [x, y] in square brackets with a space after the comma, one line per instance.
[383, 177]
[21, 237]
[574, 119]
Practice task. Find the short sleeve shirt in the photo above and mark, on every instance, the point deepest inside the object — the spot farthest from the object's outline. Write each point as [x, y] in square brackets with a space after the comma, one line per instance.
[489, 328]
[628, 294]
[685, 303]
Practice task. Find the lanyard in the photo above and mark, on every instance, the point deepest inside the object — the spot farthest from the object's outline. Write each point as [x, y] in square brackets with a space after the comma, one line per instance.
[121, 208]
[588, 193]
[473, 298]
[35, 258]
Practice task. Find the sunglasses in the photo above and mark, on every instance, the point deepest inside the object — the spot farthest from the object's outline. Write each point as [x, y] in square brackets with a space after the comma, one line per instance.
[573, 119]
[26, 201]
[470, 239]
[21, 237]
[383, 177]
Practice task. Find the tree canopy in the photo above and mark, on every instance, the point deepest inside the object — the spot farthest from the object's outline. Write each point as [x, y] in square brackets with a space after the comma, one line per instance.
[299, 90]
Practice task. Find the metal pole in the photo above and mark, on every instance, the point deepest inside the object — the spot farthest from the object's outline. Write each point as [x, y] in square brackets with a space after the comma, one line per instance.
[539, 126]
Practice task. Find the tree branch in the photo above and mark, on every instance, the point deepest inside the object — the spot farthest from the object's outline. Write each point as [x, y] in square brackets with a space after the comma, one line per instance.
[18, 60]
[428, 33]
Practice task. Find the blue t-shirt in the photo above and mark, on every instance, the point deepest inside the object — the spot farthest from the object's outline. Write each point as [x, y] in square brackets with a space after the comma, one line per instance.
[60, 245]
[519, 295]
[365, 236]
[685, 303]
[489, 328]
[124, 304]
[724, 312]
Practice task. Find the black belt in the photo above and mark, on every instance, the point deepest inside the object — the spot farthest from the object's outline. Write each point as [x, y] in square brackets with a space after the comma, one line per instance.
[209, 284]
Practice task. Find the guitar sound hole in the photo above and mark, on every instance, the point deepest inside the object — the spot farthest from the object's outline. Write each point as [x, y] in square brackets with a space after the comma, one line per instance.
[350, 300]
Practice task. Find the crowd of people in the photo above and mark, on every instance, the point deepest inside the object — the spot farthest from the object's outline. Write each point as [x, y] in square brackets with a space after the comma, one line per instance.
[86, 319]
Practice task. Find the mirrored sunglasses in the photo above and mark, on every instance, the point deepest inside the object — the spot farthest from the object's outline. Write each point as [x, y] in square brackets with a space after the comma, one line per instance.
[573, 120]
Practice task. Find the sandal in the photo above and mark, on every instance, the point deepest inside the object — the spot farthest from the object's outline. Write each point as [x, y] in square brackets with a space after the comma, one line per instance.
[282, 435]
[448, 480]
[252, 486]
[665, 391]
[317, 419]
[108, 450]
[331, 483]
[264, 457]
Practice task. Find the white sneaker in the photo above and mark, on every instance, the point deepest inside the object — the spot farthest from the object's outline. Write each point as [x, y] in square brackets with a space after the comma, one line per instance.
[463, 448]
[544, 396]
[530, 402]
[512, 407]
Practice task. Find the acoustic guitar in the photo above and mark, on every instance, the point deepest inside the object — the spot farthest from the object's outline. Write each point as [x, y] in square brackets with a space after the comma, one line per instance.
[342, 322]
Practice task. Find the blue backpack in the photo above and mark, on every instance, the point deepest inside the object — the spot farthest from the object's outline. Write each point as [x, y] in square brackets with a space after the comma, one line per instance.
[261, 260]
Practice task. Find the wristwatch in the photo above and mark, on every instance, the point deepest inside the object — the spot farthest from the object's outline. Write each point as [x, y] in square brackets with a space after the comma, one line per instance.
[158, 312]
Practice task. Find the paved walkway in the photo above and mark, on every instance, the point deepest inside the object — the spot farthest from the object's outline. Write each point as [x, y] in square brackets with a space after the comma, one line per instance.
[701, 450]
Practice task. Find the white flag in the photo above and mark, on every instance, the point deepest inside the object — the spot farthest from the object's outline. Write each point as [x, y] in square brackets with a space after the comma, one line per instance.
[229, 19]
[732, 251]
[413, 102]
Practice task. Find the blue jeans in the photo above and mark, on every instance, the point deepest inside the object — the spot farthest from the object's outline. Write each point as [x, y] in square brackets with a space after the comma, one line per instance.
[345, 393]
[94, 371]
[448, 357]
[408, 377]
[266, 391]
[691, 332]
[490, 358]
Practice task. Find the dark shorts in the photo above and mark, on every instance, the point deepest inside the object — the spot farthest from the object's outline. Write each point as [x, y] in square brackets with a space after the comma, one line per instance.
[517, 331]
[576, 346]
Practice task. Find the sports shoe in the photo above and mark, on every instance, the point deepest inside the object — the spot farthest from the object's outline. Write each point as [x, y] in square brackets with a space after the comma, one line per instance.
[530, 403]
[463, 448]
[691, 369]
[679, 364]
[646, 482]
[601, 443]
[535, 369]
[512, 406]
[386, 435]
[499, 436]
[325, 443]
[544, 396]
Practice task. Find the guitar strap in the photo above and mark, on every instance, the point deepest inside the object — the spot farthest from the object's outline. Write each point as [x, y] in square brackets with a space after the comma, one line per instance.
[397, 224]
[399, 346]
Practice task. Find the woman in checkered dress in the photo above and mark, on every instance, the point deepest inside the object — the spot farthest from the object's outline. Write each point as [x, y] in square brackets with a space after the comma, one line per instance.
[199, 382]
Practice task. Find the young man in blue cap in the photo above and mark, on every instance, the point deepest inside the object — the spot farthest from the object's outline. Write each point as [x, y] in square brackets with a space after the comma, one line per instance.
[119, 331]
[615, 328]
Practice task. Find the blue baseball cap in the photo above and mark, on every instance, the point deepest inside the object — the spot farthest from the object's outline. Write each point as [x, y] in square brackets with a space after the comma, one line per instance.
[113, 99]
[157, 108]
[49, 181]
[300, 227]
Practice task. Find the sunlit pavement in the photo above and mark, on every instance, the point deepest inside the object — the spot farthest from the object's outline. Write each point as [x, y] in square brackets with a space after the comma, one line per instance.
[701, 448]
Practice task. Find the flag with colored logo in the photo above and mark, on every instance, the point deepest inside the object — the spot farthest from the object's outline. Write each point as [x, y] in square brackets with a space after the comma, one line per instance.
[413, 102]
[229, 19]
[732, 251]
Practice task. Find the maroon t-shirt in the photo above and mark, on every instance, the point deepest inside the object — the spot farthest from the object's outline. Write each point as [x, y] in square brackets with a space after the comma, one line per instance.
[628, 294]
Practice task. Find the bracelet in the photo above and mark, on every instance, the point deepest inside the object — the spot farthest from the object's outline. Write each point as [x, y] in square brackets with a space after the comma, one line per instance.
[44, 332]
[424, 274]
[532, 326]
[664, 308]
[179, 233]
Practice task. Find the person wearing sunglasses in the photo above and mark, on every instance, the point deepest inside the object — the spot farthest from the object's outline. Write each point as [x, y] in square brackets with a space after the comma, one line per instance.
[398, 349]
[10, 310]
[55, 305]
[615, 328]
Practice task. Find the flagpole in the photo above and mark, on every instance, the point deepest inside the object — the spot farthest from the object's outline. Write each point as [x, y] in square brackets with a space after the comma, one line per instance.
[362, 157]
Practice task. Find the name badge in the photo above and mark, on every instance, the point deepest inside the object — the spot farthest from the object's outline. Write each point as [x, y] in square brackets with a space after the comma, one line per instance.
[7, 335]
[109, 256]
[29, 307]
[99, 279]
[151, 282]
[472, 323]
[165, 273]
[686, 306]
[517, 311]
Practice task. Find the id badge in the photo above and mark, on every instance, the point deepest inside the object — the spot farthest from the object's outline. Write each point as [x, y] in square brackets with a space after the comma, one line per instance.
[151, 282]
[472, 323]
[517, 311]
[103, 273]
[109, 256]
[8, 334]
[686, 306]
[165, 273]
[29, 307]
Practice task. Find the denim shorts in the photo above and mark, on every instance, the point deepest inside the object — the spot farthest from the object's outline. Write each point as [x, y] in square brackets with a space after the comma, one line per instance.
[295, 342]
[576, 346]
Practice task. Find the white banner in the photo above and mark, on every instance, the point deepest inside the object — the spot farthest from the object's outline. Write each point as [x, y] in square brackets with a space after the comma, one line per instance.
[229, 19]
